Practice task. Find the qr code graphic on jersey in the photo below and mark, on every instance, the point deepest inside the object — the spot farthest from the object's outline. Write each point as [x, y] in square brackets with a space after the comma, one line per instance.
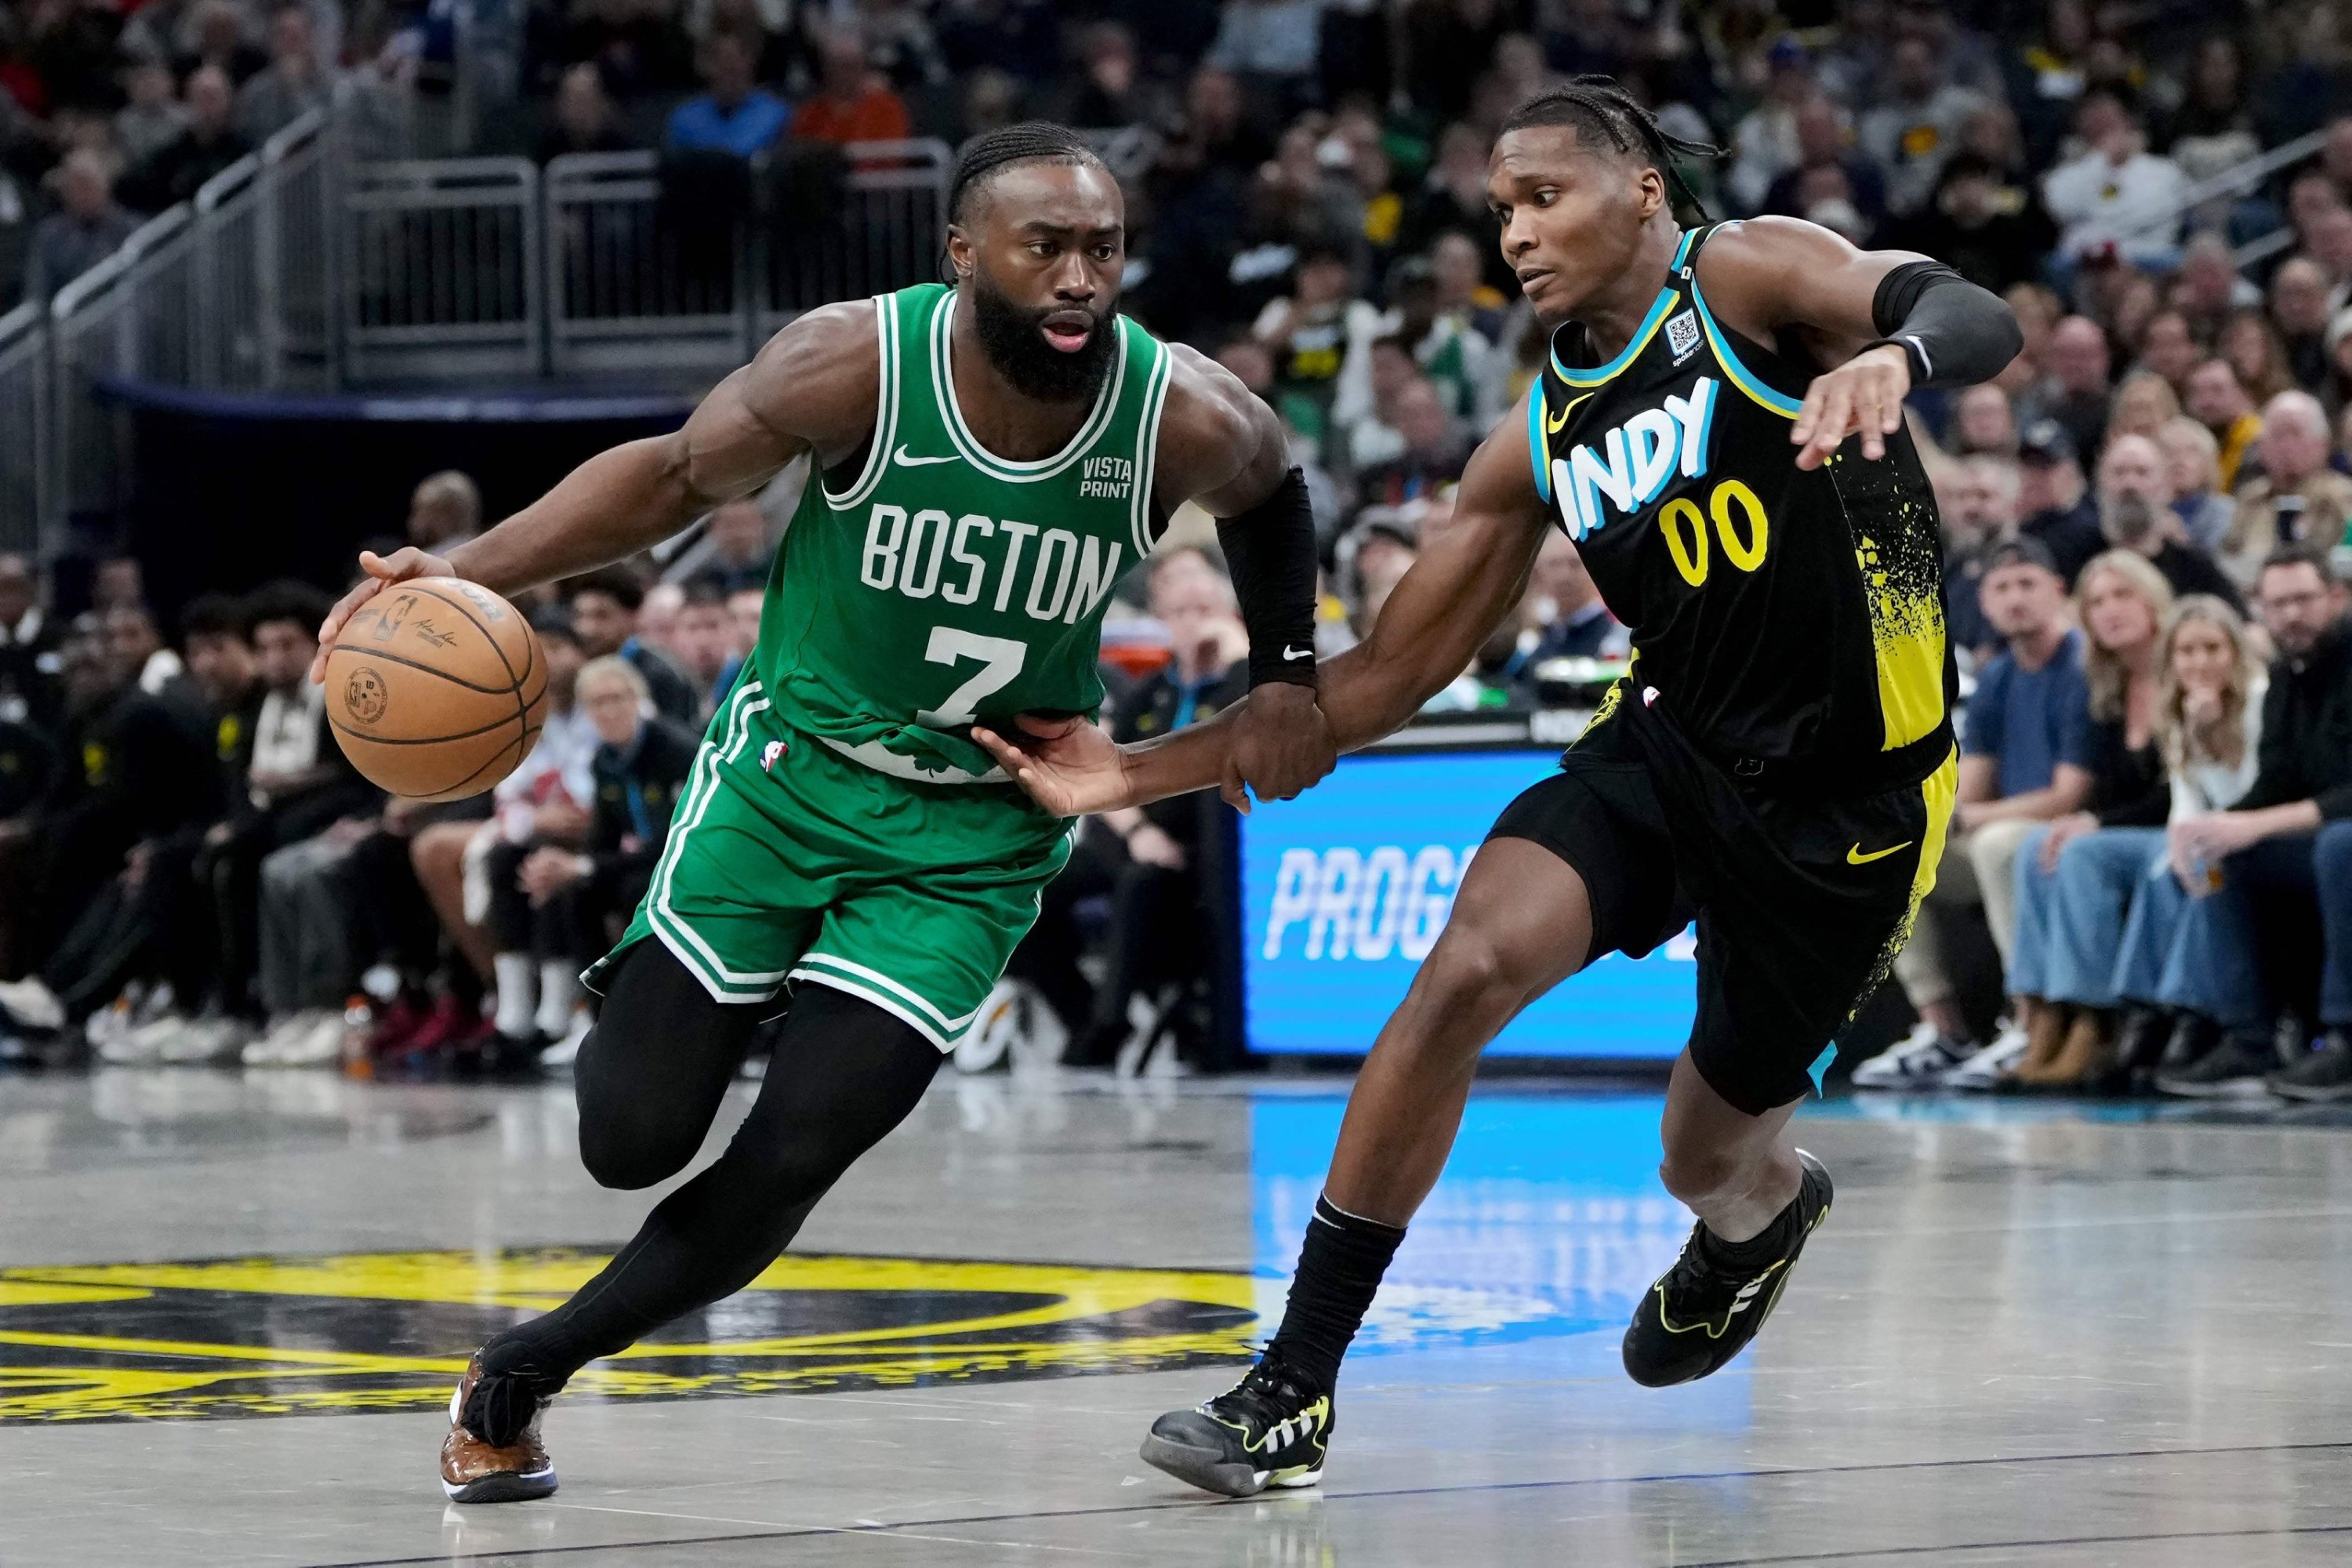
[1681, 333]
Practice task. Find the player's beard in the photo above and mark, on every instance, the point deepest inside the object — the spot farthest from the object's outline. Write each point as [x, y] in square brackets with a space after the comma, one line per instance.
[1014, 341]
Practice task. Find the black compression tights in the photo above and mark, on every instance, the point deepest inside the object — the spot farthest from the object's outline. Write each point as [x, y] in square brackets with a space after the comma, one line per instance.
[650, 1077]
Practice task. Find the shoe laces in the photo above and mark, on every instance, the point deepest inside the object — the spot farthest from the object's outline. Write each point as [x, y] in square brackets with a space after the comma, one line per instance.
[1268, 1393]
[1698, 1287]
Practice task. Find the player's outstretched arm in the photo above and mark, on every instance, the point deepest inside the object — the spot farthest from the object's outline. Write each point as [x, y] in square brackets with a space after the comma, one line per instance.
[1468, 576]
[1887, 320]
[814, 386]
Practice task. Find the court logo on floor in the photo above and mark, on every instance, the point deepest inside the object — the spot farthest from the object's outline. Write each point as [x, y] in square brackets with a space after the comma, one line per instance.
[378, 1332]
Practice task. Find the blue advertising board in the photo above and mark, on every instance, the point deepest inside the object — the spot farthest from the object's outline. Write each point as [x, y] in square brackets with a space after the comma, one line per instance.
[1345, 890]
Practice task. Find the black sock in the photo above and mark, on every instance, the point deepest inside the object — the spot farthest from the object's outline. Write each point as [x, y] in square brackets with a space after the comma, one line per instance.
[1758, 1251]
[1339, 1267]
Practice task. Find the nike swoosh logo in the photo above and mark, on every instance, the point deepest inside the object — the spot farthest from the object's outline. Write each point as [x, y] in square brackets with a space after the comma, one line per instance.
[904, 461]
[1290, 652]
[1854, 856]
[1552, 424]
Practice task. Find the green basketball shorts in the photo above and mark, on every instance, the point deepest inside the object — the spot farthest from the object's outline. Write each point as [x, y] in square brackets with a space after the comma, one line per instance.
[788, 862]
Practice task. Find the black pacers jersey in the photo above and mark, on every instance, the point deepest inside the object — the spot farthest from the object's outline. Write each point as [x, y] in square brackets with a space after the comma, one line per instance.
[1781, 614]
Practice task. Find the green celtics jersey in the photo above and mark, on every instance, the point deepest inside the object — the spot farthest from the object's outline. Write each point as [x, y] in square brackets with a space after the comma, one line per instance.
[946, 584]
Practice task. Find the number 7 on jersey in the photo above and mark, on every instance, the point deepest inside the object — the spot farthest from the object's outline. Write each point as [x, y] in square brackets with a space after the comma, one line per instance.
[1001, 660]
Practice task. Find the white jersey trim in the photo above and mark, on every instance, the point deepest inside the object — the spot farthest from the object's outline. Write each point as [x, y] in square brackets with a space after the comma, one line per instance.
[886, 411]
[899, 988]
[979, 457]
[1147, 449]
[703, 785]
[890, 1005]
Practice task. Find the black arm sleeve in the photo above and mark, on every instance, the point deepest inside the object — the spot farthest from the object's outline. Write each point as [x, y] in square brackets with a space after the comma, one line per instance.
[1955, 333]
[1270, 549]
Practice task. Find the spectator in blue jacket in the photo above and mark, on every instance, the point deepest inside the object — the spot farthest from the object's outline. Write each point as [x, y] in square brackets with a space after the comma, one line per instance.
[733, 114]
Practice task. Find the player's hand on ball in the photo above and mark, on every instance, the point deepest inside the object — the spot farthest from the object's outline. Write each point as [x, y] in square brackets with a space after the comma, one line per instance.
[381, 572]
[1282, 744]
[1863, 396]
[1068, 766]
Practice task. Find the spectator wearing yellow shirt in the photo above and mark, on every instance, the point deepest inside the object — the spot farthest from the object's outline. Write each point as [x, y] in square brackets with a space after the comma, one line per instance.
[2216, 400]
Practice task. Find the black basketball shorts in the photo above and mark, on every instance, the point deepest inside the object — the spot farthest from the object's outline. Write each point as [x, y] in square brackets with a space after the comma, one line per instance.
[1802, 895]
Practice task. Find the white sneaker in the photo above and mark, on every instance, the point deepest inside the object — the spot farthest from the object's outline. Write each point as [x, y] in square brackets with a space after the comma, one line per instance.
[207, 1040]
[1989, 1067]
[110, 1023]
[33, 1005]
[566, 1051]
[155, 1002]
[988, 1042]
[320, 1045]
[1919, 1061]
[144, 1043]
[1042, 1038]
[268, 1050]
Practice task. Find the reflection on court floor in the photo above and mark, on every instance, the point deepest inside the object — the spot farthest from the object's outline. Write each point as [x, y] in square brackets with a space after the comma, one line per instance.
[1548, 1220]
[269, 1336]
[1547, 1227]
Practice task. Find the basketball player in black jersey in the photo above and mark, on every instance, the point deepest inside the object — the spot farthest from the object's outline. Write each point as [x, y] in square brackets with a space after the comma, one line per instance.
[1718, 427]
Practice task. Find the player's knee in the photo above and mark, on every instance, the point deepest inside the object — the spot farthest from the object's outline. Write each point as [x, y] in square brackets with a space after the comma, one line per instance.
[1466, 976]
[1698, 1173]
[629, 1158]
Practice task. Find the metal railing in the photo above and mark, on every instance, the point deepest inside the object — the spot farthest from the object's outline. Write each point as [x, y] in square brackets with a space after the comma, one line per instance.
[25, 412]
[125, 318]
[297, 261]
[228, 329]
[2233, 180]
[297, 269]
[441, 269]
[227, 290]
[622, 294]
[883, 234]
[629, 287]
[259, 312]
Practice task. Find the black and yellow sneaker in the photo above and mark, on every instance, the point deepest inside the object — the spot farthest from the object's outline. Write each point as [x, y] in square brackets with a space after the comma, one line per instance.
[1702, 1313]
[1267, 1430]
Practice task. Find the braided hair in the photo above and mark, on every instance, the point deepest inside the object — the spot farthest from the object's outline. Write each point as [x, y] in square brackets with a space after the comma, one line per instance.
[1605, 114]
[1031, 142]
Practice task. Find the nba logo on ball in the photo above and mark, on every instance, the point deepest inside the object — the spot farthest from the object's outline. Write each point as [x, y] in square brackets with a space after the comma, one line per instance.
[365, 695]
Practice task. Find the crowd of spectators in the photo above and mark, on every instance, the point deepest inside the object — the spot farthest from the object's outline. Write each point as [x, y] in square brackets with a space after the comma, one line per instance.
[192, 871]
[2160, 474]
[110, 113]
[279, 911]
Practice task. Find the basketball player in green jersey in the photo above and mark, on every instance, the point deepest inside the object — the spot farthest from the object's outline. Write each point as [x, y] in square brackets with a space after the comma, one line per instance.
[987, 460]
[1718, 427]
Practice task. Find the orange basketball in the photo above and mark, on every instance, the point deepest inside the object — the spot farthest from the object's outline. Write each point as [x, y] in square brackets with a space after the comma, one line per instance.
[436, 688]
